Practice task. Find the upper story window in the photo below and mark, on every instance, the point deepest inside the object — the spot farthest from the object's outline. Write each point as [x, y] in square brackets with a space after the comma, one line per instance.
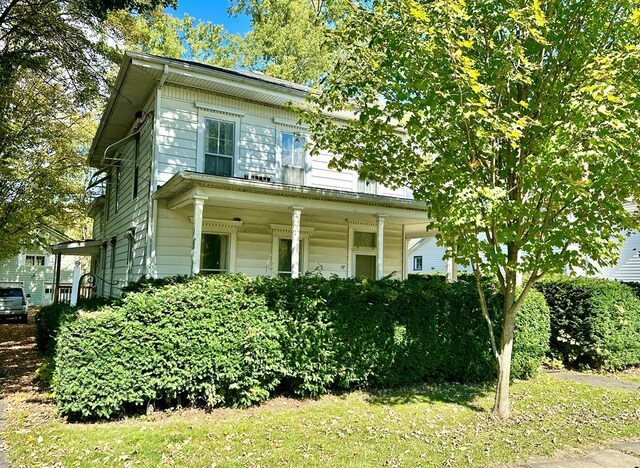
[367, 186]
[417, 262]
[293, 158]
[219, 147]
[35, 260]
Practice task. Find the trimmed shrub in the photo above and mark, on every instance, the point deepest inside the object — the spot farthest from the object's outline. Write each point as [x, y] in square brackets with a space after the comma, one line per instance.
[206, 342]
[228, 340]
[595, 323]
[48, 321]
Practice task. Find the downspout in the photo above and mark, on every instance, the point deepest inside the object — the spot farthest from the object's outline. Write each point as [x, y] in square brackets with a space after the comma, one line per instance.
[152, 206]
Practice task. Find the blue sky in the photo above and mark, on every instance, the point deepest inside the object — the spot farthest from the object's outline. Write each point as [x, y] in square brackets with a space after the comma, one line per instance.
[214, 11]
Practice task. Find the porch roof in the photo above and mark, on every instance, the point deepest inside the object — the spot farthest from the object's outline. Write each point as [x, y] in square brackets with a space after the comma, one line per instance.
[86, 247]
[184, 185]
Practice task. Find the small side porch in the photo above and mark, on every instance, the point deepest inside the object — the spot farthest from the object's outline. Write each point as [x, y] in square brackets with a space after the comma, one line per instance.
[260, 228]
[83, 286]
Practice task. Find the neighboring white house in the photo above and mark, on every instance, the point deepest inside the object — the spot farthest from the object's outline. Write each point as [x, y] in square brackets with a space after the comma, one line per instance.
[427, 257]
[206, 171]
[34, 270]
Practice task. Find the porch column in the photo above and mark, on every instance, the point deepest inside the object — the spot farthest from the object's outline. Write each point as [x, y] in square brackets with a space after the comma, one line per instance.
[198, 208]
[56, 287]
[380, 247]
[452, 269]
[75, 286]
[405, 256]
[295, 241]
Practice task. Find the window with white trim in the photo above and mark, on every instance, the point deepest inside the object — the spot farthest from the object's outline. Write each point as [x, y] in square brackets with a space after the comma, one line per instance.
[284, 257]
[293, 157]
[219, 147]
[35, 260]
[417, 262]
[214, 253]
[282, 249]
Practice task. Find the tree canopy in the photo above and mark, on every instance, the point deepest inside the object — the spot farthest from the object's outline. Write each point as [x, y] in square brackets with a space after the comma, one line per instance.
[516, 121]
[51, 70]
[287, 38]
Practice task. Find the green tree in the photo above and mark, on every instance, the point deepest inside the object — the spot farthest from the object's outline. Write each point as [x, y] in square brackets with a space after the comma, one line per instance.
[288, 37]
[51, 70]
[516, 121]
[159, 33]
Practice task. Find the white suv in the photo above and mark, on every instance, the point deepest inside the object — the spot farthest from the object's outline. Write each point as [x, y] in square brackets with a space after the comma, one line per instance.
[13, 303]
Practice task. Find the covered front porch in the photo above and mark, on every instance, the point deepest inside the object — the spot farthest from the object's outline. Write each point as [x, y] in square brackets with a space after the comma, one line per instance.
[211, 224]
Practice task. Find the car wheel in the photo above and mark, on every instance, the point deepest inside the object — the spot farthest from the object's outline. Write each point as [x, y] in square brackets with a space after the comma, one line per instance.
[24, 318]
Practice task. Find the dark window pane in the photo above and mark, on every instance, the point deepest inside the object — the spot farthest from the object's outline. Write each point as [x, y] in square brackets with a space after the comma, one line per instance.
[284, 256]
[214, 253]
[218, 165]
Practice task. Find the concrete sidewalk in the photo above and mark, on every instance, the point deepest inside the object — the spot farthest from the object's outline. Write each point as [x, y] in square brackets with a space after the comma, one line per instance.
[594, 380]
[623, 455]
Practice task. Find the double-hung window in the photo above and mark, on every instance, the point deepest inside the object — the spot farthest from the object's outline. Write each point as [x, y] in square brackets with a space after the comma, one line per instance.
[417, 262]
[284, 257]
[219, 146]
[293, 158]
[214, 253]
[35, 260]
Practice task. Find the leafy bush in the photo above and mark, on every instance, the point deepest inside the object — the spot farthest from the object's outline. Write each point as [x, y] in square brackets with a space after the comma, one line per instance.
[209, 343]
[48, 321]
[340, 333]
[50, 317]
[595, 323]
[229, 340]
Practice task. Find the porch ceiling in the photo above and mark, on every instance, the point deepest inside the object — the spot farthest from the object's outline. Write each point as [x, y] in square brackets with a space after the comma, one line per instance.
[226, 192]
[82, 248]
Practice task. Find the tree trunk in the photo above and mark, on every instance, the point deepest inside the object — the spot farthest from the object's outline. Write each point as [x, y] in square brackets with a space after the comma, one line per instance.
[501, 404]
[501, 407]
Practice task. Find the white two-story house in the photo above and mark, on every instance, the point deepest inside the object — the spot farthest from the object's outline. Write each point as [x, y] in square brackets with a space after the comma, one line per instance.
[207, 171]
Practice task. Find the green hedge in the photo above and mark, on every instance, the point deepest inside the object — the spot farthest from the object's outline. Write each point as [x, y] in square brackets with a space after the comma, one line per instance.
[595, 322]
[208, 342]
[228, 340]
[49, 319]
[341, 333]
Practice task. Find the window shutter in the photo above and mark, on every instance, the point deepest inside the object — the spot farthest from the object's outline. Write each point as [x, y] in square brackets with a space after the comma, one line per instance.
[21, 259]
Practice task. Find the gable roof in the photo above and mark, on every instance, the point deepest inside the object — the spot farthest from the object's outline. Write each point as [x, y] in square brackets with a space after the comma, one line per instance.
[141, 74]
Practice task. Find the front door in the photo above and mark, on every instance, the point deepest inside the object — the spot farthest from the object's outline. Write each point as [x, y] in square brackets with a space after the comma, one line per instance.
[366, 266]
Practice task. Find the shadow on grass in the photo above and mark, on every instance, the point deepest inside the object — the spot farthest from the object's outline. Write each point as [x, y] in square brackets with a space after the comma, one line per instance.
[459, 394]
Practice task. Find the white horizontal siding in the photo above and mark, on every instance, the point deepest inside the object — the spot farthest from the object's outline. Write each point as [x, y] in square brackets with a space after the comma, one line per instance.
[132, 213]
[257, 133]
[328, 244]
[628, 266]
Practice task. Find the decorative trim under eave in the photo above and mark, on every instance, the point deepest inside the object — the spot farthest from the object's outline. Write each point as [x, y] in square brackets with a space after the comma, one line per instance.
[289, 123]
[370, 226]
[211, 223]
[220, 110]
[286, 230]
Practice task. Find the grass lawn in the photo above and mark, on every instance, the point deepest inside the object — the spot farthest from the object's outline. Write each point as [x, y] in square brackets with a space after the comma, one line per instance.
[424, 425]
